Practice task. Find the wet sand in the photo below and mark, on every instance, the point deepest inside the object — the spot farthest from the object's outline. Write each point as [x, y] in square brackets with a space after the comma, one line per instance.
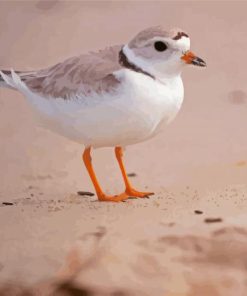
[189, 238]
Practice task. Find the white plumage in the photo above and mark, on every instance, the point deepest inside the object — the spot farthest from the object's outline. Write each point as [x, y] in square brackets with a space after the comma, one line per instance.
[136, 111]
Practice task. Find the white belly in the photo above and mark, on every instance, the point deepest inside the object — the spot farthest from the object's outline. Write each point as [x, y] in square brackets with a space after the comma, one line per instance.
[137, 112]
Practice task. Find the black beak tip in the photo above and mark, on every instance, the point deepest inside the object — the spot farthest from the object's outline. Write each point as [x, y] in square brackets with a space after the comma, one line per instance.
[199, 62]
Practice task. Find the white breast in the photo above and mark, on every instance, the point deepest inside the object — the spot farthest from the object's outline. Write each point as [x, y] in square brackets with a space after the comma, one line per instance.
[139, 109]
[149, 104]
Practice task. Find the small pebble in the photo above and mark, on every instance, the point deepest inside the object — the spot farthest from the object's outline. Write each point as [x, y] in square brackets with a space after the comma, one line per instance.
[7, 203]
[212, 220]
[198, 212]
[85, 193]
[132, 175]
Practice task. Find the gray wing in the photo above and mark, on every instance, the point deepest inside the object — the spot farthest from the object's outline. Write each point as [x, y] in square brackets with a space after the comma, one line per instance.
[84, 74]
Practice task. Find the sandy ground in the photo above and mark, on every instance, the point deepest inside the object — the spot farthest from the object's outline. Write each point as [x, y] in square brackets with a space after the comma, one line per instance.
[55, 242]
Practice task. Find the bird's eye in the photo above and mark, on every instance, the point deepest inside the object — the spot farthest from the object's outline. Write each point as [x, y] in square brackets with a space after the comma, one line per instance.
[160, 46]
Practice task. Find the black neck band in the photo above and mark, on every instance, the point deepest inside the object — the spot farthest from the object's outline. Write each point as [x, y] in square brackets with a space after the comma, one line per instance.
[123, 61]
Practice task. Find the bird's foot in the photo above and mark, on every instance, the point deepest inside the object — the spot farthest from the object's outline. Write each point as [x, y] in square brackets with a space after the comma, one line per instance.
[134, 193]
[115, 198]
[124, 196]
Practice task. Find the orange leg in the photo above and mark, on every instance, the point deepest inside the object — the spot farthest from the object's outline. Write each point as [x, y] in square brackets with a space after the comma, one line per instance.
[129, 190]
[101, 196]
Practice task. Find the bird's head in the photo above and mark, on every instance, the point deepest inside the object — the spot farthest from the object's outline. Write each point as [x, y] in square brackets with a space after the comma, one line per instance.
[161, 53]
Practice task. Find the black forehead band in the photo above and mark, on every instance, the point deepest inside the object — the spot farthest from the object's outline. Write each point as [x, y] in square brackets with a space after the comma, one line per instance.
[180, 35]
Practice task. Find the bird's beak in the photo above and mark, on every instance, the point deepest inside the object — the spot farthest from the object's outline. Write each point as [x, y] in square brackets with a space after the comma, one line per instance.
[190, 58]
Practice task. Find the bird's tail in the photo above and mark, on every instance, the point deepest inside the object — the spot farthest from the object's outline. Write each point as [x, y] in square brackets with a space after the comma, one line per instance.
[4, 79]
[12, 79]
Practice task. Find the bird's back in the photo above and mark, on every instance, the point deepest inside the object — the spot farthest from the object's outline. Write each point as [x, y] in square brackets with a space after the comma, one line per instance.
[86, 73]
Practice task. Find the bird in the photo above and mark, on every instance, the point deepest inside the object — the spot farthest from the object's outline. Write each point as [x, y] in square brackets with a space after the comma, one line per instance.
[114, 97]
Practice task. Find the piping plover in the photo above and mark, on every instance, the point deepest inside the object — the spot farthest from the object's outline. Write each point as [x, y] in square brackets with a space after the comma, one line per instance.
[115, 97]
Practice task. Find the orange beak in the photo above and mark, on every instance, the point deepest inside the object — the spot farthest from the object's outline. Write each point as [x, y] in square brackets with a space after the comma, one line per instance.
[190, 58]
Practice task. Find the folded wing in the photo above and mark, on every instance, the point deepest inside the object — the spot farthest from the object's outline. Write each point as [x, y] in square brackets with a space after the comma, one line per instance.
[75, 76]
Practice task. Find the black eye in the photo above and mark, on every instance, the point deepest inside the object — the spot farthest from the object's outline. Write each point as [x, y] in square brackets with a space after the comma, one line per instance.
[160, 46]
